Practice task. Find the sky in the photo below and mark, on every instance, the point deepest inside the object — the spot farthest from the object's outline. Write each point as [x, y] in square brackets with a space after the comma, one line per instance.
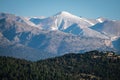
[86, 8]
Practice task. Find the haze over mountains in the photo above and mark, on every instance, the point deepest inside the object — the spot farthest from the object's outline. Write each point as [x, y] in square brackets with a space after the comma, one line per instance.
[38, 38]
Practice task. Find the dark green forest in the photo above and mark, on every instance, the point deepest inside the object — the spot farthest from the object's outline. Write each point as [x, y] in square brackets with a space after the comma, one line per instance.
[93, 65]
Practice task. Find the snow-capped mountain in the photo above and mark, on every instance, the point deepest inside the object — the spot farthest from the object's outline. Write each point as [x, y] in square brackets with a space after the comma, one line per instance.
[63, 20]
[38, 38]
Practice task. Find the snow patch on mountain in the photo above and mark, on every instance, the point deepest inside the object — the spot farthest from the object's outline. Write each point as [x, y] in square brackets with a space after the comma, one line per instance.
[88, 21]
[101, 19]
[27, 21]
[87, 32]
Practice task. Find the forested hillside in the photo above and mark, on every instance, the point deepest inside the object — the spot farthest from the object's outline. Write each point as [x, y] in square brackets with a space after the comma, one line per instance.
[92, 65]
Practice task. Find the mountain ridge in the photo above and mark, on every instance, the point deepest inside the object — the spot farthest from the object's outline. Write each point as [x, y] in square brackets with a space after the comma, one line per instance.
[55, 35]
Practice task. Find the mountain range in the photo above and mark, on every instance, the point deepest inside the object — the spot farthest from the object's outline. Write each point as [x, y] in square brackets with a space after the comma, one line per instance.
[35, 38]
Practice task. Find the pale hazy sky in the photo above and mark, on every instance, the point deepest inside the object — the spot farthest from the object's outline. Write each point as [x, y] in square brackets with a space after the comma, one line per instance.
[86, 8]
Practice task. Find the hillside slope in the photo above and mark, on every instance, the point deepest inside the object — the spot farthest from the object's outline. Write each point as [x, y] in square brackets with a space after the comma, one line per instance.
[92, 65]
